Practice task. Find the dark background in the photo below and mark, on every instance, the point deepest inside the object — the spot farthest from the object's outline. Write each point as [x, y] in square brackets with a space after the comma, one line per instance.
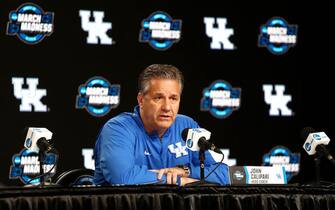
[63, 62]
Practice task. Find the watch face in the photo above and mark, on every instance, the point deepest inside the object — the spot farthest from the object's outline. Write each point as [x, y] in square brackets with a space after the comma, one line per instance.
[187, 170]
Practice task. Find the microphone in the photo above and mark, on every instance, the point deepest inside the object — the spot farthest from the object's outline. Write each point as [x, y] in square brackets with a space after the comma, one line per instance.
[315, 143]
[37, 139]
[43, 144]
[197, 139]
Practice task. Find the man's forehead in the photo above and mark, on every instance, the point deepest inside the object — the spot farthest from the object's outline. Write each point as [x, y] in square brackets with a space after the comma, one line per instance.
[164, 86]
[171, 93]
[162, 80]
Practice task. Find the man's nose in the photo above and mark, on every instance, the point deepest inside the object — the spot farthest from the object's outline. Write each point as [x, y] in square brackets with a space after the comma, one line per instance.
[166, 106]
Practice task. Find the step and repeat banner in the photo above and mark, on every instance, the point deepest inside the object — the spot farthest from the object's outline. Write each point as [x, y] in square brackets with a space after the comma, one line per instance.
[255, 76]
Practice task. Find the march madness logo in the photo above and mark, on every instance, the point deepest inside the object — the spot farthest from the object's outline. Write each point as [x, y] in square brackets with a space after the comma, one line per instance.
[98, 96]
[26, 166]
[278, 36]
[30, 23]
[160, 30]
[282, 156]
[221, 99]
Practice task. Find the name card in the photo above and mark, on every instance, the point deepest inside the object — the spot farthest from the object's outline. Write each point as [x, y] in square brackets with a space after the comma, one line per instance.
[257, 175]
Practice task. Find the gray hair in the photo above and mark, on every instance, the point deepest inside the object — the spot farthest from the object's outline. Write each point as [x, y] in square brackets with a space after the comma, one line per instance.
[159, 71]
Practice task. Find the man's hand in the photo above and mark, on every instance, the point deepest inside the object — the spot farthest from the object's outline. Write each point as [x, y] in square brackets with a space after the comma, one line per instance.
[186, 180]
[171, 174]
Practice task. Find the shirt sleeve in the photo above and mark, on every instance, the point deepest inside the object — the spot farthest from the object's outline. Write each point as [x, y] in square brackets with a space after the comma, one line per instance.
[220, 175]
[117, 161]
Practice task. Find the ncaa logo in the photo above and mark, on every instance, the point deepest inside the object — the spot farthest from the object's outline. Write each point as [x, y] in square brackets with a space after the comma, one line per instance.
[308, 146]
[30, 23]
[316, 136]
[189, 143]
[238, 175]
[160, 30]
[221, 99]
[26, 166]
[28, 142]
[282, 156]
[98, 96]
[278, 36]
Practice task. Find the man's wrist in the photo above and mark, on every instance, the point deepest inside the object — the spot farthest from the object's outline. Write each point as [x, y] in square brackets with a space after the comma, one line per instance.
[187, 171]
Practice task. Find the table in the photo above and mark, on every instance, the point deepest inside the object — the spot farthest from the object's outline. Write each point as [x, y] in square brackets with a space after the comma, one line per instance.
[168, 197]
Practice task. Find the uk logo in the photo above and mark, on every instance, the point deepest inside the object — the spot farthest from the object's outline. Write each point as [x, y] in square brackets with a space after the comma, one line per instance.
[220, 99]
[97, 29]
[278, 36]
[30, 23]
[220, 35]
[30, 97]
[179, 150]
[160, 30]
[98, 96]
[278, 102]
[88, 158]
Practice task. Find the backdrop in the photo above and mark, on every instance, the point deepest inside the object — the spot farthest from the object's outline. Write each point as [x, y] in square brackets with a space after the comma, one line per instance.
[267, 89]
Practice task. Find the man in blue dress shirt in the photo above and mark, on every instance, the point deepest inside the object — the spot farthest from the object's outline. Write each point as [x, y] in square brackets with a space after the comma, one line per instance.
[146, 146]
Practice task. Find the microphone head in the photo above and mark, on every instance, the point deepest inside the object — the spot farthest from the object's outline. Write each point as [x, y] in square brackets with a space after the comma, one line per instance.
[306, 131]
[184, 133]
[37, 136]
[313, 140]
[192, 137]
[43, 144]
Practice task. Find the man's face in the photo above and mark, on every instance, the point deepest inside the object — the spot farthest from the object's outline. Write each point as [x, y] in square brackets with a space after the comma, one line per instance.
[159, 105]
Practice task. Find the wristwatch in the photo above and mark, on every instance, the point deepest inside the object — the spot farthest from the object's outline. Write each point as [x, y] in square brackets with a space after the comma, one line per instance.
[186, 169]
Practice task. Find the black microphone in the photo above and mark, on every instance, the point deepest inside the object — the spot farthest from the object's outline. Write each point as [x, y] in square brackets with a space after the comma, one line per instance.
[316, 143]
[43, 144]
[198, 140]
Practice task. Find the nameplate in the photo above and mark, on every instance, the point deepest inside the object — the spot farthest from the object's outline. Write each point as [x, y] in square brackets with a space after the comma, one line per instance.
[257, 175]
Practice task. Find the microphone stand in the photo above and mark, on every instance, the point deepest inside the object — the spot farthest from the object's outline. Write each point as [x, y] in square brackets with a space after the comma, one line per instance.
[202, 165]
[317, 161]
[202, 181]
[41, 157]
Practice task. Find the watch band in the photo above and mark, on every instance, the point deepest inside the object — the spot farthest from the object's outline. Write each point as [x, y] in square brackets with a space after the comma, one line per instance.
[186, 169]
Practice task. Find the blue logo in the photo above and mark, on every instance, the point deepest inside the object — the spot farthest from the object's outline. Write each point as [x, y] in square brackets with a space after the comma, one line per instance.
[278, 36]
[220, 99]
[308, 146]
[98, 96]
[316, 136]
[30, 23]
[160, 30]
[282, 156]
[238, 175]
[26, 166]
[83, 180]
[189, 142]
[28, 142]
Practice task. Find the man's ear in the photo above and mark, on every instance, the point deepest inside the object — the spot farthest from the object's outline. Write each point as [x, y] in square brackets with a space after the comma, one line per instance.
[140, 99]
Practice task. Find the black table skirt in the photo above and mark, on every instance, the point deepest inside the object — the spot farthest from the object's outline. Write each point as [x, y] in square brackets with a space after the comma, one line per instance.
[168, 197]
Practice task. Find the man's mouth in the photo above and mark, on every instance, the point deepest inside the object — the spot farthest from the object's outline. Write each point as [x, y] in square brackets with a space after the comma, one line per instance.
[165, 117]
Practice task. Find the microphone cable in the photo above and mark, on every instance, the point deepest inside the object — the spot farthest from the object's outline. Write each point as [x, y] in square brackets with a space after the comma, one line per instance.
[48, 172]
[218, 164]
